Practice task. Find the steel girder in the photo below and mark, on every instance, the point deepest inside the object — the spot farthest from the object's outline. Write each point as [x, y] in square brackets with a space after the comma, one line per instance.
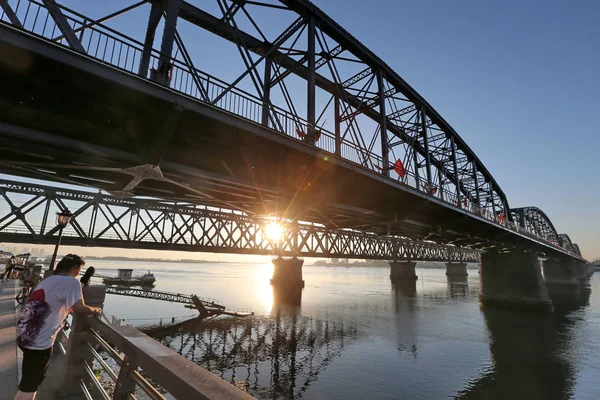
[436, 160]
[99, 220]
[372, 118]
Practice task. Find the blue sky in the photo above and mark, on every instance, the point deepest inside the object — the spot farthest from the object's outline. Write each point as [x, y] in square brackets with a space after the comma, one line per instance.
[517, 79]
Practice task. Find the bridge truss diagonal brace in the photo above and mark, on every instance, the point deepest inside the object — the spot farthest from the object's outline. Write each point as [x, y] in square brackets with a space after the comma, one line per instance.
[12, 17]
[63, 25]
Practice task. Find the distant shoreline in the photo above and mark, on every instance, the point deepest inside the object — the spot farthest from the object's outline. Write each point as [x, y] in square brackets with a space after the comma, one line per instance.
[161, 260]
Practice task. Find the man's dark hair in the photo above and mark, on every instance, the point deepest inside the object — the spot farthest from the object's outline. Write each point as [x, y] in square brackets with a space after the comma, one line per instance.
[68, 263]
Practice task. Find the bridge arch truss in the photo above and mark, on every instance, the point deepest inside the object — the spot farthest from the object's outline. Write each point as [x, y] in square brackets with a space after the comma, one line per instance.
[302, 75]
[299, 74]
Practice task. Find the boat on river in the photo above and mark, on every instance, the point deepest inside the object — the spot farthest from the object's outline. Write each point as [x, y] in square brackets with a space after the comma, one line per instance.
[124, 278]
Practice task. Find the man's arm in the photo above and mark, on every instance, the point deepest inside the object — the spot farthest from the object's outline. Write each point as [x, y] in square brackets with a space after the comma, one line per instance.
[80, 307]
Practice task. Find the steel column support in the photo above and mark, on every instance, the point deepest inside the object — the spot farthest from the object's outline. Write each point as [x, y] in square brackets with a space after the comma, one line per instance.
[426, 146]
[63, 25]
[383, 126]
[266, 92]
[12, 17]
[522, 218]
[417, 177]
[441, 184]
[166, 47]
[337, 122]
[311, 79]
[455, 165]
[45, 217]
[478, 200]
[155, 15]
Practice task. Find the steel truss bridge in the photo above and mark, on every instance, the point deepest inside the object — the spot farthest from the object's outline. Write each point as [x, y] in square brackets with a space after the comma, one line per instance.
[312, 126]
[104, 221]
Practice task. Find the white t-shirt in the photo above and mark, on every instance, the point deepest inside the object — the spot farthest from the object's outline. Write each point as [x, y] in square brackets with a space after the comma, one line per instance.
[45, 311]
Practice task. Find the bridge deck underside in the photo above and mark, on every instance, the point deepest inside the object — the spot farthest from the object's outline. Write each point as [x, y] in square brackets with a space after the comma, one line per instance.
[68, 118]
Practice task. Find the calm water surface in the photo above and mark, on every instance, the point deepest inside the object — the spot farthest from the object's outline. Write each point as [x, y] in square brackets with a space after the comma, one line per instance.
[356, 335]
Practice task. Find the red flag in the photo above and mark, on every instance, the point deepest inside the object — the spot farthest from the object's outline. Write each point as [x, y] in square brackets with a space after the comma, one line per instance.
[300, 133]
[399, 168]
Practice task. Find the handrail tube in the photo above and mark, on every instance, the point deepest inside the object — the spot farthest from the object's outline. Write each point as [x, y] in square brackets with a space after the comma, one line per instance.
[146, 386]
[85, 390]
[92, 376]
[103, 363]
[114, 355]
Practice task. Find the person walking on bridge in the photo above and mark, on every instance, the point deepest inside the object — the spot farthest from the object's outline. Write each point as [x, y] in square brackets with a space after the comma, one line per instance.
[42, 317]
[10, 266]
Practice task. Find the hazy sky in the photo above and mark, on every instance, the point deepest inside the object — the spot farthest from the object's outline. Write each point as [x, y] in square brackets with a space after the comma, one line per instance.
[517, 79]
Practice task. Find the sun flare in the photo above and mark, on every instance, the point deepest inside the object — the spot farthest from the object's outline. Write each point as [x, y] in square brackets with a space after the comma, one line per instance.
[274, 231]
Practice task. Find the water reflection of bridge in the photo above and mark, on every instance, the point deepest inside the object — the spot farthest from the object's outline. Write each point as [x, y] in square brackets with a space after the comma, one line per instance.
[534, 356]
[277, 356]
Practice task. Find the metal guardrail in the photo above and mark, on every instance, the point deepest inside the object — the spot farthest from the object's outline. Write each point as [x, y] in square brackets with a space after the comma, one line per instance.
[131, 363]
[109, 46]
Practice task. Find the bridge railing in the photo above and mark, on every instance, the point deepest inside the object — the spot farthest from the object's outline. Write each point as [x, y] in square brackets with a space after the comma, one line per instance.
[110, 361]
[109, 46]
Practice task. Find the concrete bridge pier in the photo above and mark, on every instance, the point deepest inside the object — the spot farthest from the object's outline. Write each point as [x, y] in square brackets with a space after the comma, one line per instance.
[560, 274]
[513, 280]
[403, 270]
[581, 271]
[456, 269]
[287, 274]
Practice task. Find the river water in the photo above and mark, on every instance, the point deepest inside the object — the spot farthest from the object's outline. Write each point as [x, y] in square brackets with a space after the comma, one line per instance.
[356, 335]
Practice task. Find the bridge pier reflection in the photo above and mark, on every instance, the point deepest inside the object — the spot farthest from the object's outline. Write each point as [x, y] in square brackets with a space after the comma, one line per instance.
[533, 357]
[458, 286]
[513, 280]
[287, 296]
[568, 299]
[404, 288]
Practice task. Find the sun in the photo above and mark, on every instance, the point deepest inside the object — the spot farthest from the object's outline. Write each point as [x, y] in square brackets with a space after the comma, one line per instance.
[274, 231]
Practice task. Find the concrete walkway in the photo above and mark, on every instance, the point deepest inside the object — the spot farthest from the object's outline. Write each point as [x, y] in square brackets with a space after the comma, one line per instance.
[8, 347]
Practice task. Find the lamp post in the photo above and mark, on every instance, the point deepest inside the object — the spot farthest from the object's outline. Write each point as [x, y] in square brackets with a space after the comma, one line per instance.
[62, 219]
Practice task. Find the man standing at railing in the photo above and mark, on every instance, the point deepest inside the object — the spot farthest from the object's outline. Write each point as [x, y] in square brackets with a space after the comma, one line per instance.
[42, 318]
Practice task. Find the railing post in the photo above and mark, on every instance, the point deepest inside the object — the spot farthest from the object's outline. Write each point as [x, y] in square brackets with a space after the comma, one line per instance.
[77, 351]
[125, 383]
